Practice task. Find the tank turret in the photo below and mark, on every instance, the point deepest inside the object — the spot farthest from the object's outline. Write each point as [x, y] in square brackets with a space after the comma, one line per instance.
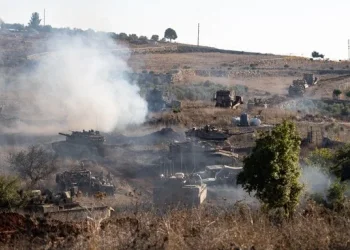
[86, 137]
[81, 144]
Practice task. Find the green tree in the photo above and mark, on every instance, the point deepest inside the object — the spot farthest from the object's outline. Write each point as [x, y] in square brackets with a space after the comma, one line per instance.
[34, 164]
[34, 21]
[143, 38]
[123, 36]
[133, 37]
[155, 38]
[272, 170]
[315, 54]
[336, 195]
[321, 158]
[9, 196]
[170, 34]
[341, 168]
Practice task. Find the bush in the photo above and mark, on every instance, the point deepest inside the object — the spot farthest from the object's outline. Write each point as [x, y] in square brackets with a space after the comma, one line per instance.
[345, 111]
[286, 66]
[336, 195]
[9, 196]
[253, 65]
[337, 92]
[176, 110]
[321, 158]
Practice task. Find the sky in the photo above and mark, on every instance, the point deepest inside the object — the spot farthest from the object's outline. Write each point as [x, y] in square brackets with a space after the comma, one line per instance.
[295, 27]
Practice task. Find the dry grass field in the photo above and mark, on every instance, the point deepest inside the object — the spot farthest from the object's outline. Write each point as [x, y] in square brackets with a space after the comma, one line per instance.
[210, 227]
[166, 62]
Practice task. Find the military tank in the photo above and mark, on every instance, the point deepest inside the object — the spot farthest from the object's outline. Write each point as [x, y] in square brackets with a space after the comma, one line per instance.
[79, 144]
[82, 180]
[207, 132]
[178, 190]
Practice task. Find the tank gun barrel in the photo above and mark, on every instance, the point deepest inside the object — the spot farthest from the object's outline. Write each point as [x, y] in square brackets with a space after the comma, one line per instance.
[64, 134]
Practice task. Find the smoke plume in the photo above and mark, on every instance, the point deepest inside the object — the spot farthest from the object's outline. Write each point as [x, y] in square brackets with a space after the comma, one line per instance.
[80, 85]
[315, 180]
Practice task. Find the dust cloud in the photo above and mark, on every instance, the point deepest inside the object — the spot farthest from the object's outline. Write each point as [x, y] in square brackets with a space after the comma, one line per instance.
[78, 86]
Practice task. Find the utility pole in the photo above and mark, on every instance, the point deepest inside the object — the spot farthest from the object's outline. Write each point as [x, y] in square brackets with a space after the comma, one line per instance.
[44, 17]
[349, 49]
[198, 36]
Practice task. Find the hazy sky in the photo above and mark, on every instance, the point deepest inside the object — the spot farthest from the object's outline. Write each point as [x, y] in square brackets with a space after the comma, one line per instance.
[281, 27]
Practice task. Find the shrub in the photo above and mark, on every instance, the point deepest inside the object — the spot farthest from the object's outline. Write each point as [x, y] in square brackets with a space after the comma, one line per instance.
[337, 92]
[321, 158]
[336, 195]
[253, 65]
[9, 196]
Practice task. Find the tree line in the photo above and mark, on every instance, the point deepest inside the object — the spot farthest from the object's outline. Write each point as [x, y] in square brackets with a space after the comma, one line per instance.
[35, 24]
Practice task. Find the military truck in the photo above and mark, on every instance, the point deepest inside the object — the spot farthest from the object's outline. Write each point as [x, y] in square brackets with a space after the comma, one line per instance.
[81, 144]
[299, 86]
[83, 181]
[227, 99]
[207, 132]
[179, 190]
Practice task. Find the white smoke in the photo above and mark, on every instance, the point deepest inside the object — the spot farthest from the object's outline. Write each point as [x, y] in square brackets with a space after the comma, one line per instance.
[80, 85]
[315, 180]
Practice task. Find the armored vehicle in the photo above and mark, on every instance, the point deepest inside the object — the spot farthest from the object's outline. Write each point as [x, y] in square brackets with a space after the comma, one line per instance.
[62, 207]
[178, 190]
[227, 99]
[220, 175]
[44, 202]
[191, 155]
[208, 132]
[83, 181]
[81, 144]
[297, 89]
